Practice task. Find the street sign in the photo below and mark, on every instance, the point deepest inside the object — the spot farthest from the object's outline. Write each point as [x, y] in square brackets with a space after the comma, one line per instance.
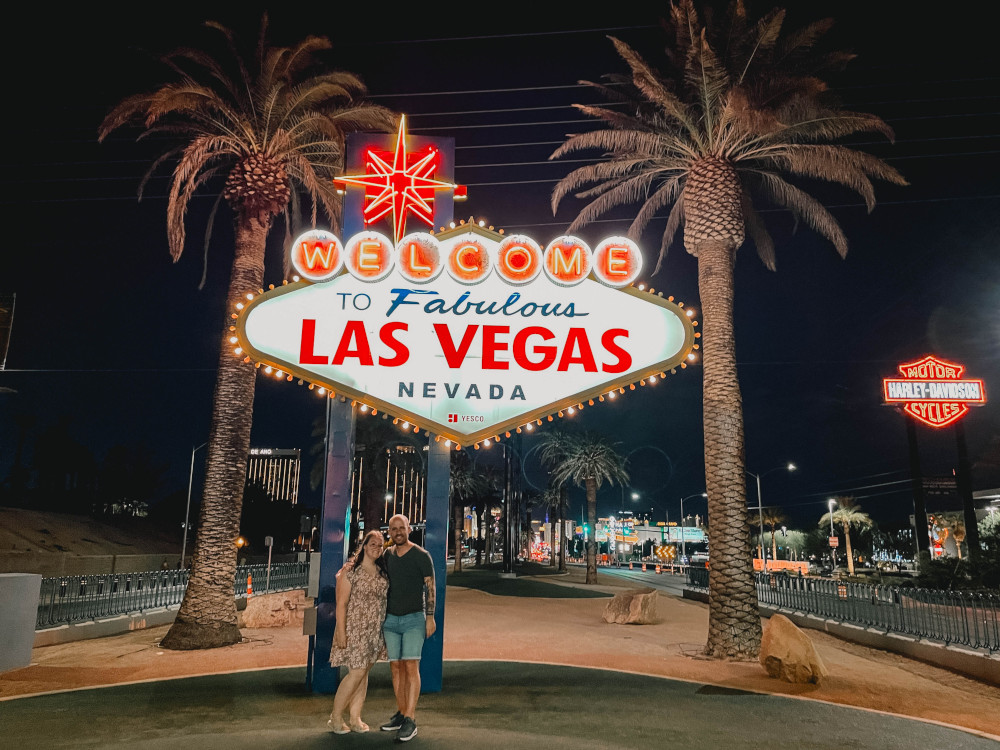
[834, 541]
[269, 541]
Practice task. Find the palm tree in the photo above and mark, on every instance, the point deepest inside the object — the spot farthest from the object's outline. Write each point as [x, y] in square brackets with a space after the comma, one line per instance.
[772, 517]
[269, 128]
[847, 514]
[741, 109]
[485, 503]
[958, 531]
[587, 460]
[552, 500]
[464, 485]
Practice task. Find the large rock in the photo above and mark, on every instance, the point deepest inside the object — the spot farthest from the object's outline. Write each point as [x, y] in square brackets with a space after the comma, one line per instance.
[632, 607]
[274, 610]
[787, 653]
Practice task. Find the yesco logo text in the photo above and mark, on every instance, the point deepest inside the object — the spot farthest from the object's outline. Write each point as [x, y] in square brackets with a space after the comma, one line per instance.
[468, 257]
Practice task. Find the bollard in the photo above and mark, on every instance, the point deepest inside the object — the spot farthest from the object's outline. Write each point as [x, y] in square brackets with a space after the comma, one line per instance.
[249, 586]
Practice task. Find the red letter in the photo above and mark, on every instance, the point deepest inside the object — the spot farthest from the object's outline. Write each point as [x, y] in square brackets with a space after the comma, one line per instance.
[548, 352]
[398, 347]
[308, 343]
[608, 342]
[354, 329]
[452, 355]
[491, 347]
[577, 337]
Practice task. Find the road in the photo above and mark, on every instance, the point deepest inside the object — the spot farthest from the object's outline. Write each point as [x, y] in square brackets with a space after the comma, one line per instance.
[668, 583]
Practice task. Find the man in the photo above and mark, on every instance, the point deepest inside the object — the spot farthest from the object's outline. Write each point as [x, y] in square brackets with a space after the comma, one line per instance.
[409, 620]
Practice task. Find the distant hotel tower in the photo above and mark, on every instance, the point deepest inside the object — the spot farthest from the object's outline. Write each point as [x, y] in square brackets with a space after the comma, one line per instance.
[277, 471]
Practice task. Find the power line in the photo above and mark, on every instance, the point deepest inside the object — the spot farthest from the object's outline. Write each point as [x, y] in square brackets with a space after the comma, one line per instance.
[525, 144]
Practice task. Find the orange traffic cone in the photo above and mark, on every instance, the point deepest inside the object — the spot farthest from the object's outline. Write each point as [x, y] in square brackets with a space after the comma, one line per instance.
[249, 586]
[630, 566]
[658, 570]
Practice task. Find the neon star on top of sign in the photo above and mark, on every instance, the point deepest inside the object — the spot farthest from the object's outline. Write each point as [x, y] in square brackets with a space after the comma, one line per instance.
[399, 187]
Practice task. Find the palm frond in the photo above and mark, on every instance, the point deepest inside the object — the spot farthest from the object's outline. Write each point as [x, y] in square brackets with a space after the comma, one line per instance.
[629, 191]
[838, 164]
[155, 165]
[803, 206]
[612, 117]
[601, 172]
[675, 220]
[653, 88]
[125, 112]
[709, 80]
[209, 225]
[669, 191]
[764, 36]
[178, 202]
[803, 39]
[758, 233]
[616, 141]
[301, 55]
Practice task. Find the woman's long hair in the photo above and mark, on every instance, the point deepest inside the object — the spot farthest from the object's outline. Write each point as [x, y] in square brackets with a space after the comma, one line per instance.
[359, 556]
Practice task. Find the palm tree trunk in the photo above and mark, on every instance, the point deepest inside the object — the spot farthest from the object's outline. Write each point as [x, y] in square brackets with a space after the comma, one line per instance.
[457, 513]
[734, 618]
[481, 534]
[592, 542]
[774, 546]
[847, 545]
[563, 505]
[207, 615]
[374, 498]
[488, 534]
[552, 541]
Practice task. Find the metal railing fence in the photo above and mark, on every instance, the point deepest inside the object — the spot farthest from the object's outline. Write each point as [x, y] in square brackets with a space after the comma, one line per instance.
[968, 618]
[67, 599]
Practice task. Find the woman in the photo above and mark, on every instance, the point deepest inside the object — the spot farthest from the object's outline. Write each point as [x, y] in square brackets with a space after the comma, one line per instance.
[362, 585]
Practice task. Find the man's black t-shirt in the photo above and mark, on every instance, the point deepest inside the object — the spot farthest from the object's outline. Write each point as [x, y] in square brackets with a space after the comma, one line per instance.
[406, 580]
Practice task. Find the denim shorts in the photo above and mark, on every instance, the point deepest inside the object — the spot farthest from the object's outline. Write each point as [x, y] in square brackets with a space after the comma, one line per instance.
[404, 635]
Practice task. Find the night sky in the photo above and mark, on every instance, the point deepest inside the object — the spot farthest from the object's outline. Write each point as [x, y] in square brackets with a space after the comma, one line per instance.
[111, 335]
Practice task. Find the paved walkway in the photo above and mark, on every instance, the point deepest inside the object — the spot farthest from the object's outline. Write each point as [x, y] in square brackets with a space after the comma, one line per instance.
[557, 676]
[485, 705]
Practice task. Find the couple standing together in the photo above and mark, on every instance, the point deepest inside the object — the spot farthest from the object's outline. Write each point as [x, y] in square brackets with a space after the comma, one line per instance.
[385, 608]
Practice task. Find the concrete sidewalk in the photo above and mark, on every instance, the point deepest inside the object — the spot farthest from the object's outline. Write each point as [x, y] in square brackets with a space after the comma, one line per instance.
[597, 666]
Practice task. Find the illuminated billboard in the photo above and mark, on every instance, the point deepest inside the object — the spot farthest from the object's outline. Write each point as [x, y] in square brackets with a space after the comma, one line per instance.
[933, 391]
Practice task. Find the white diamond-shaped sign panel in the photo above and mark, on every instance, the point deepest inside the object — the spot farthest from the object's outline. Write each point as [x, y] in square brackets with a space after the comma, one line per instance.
[465, 361]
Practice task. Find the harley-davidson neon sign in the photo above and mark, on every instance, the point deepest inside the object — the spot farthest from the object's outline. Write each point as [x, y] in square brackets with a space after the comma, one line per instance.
[933, 391]
[468, 333]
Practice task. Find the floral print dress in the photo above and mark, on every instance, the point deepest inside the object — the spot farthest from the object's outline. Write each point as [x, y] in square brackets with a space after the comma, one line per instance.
[365, 615]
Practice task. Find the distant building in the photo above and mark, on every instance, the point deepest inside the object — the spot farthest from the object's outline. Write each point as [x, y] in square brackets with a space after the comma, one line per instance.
[277, 470]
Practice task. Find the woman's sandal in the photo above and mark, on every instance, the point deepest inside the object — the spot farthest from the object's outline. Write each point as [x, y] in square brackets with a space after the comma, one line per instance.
[338, 727]
[359, 726]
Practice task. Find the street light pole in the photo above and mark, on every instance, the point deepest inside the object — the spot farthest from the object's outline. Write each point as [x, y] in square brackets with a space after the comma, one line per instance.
[760, 509]
[187, 509]
[833, 550]
[683, 532]
[760, 518]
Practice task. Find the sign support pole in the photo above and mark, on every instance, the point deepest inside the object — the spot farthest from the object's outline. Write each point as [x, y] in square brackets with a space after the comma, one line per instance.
[920, 533]
[436, 544]
[964, 481]
[333, 536]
